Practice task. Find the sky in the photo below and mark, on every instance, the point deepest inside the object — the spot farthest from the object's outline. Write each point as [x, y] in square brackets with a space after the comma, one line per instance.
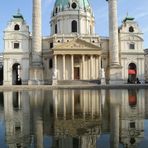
[134, 8]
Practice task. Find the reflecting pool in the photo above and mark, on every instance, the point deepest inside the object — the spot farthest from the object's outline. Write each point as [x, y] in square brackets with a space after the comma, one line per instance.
[74, 118]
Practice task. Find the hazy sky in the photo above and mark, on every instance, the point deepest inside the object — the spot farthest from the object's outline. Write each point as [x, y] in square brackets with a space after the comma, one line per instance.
[135, 8]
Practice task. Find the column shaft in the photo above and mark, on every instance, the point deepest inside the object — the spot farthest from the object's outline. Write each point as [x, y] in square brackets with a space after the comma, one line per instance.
[55, 61]
[63, 67]
[113, 33]
[99, 66]
[36, 32]
[91, 67]
[72, 67]
[83, 66]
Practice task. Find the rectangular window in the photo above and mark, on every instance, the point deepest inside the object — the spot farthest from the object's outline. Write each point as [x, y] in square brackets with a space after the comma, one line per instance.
[50, 63]
[132, 125]
[51, 45]
[16, 45]
[131, 46]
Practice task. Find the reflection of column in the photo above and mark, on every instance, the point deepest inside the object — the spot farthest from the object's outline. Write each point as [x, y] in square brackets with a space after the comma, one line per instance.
[83, 93]
[19, 100]
[55, 103]
[19, 73]
[92, 107]
[63, 67]
[72, 68]
[64, 104]
[39, 133]
[114, 127]
[72, 104]
[36, 100]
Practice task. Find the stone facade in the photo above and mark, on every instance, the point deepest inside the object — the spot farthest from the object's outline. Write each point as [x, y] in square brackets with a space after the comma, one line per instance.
[72, 52]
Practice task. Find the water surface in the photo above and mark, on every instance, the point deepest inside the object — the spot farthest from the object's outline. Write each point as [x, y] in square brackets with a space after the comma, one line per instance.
[69, 118]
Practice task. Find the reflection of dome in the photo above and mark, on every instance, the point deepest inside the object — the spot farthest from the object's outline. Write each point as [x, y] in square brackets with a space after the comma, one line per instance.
[132, 140]
[77, 127]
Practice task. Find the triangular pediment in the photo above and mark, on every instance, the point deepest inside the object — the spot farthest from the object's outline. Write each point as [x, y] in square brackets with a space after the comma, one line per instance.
[77, 44]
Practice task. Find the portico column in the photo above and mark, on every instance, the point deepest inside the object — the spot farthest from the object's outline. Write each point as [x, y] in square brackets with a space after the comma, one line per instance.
[55, 61]
[91, 67]
[99, 66]
[55, 65]
[63, 67]
[83, 66]
[72, 68]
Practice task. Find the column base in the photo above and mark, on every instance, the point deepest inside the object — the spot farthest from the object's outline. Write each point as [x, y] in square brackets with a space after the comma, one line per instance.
[36, 75]
[6, 83]
[54, 82]
[115, 75]
[103, 81]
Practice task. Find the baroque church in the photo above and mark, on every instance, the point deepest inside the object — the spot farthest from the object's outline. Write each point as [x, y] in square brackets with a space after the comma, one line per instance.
[73, 52]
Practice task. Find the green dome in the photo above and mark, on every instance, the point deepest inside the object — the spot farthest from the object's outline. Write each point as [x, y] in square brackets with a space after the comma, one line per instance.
[82, 4]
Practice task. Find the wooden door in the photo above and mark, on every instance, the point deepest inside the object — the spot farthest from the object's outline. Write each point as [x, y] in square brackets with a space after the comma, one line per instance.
[76, 73]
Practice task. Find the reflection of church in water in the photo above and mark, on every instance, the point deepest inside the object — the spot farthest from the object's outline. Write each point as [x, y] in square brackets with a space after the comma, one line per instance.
[73, 118]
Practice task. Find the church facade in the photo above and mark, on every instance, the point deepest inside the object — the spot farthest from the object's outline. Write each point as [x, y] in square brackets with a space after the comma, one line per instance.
[73, 52]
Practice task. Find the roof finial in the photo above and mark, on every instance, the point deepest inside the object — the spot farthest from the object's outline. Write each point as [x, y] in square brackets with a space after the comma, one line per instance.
[127, 14]
[18, 11]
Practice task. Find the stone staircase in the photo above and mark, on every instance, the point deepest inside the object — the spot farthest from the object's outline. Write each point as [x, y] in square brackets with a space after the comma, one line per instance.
[78, 82]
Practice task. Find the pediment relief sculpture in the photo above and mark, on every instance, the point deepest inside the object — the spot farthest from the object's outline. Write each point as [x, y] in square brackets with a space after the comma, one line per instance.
[77, 43]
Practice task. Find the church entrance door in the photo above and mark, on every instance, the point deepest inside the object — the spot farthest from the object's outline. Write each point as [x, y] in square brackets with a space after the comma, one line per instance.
[1, 74]
[76, 73]
[16, 73]
[132, 72]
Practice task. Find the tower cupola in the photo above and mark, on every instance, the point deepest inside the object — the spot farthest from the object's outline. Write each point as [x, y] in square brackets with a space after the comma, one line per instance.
[72, 16]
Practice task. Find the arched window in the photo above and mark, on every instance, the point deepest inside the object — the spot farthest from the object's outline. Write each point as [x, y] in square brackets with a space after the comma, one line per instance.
[56, 28]
[56, 10]
[74, 26]
[16, 27]
[131, 29]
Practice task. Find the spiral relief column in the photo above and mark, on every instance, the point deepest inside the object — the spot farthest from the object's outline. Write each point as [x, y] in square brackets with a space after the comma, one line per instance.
[115, 74]
[36, 69]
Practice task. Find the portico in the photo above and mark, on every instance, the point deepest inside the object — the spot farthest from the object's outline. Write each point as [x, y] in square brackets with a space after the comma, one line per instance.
[72, 63]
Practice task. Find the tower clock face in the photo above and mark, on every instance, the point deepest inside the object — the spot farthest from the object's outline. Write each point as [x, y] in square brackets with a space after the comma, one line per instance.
[74, 5]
